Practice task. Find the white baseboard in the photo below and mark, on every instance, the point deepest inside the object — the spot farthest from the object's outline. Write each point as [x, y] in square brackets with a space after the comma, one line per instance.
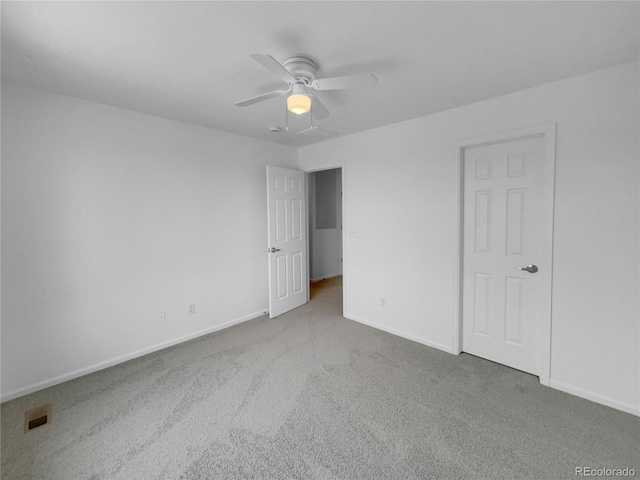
[399, 333]
[325, 277]
[595, 397]
[579, 392]
[124, 358]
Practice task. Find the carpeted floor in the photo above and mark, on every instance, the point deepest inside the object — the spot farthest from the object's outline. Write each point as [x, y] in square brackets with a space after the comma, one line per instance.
[315, 396]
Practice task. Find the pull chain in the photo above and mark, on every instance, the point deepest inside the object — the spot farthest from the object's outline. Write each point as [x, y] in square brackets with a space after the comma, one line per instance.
[286, 117]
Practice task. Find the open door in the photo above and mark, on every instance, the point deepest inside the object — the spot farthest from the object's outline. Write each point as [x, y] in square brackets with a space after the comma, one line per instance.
[287, 224]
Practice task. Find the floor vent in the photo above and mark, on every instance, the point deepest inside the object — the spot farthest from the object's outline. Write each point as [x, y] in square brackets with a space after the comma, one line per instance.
[37, 417]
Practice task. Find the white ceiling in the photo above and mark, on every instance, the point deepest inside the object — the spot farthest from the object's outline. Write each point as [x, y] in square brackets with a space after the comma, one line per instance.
[189, 61]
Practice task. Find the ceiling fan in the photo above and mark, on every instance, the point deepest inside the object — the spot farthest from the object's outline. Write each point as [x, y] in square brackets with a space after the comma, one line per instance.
[299, 72]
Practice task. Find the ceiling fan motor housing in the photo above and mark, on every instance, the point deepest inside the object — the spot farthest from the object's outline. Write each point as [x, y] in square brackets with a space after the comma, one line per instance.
[301, 67]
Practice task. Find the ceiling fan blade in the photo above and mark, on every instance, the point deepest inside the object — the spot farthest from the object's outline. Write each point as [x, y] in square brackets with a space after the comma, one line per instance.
[272, 64]
[318, 110]
[345, 83]
[260, 98]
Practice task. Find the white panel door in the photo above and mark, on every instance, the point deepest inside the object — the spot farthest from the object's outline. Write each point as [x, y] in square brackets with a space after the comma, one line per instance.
[503, 211]
[286, 220]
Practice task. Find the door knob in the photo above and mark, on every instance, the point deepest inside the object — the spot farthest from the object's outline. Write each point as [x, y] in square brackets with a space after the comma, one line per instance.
[274, 250]
[529, 268]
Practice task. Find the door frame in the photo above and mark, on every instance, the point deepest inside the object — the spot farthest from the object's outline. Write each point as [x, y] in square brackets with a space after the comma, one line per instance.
[548, 132]
[342, 167]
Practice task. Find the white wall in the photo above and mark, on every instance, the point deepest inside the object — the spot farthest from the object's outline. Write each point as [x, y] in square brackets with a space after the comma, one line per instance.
[400, 223]
[109, 216]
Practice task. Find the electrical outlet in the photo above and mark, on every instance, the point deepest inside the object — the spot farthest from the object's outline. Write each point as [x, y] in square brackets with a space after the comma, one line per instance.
[162, 316]
[383, 302]
[192, 308]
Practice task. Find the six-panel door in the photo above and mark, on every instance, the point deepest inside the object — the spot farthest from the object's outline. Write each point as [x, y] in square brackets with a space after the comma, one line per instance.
[287, 239]
[502, 215]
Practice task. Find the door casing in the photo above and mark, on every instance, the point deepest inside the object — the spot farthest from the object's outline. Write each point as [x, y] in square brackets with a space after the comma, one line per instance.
[548, 131]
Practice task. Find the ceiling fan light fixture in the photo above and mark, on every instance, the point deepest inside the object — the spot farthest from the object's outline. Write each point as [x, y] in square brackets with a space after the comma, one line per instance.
[298, 103]
[299, 73]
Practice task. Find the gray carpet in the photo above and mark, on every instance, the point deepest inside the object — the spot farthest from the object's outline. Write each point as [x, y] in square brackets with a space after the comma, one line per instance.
[315, 396]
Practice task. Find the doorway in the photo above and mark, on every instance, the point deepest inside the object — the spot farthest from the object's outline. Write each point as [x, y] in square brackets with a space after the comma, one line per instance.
[325, 226]
[505, 248]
